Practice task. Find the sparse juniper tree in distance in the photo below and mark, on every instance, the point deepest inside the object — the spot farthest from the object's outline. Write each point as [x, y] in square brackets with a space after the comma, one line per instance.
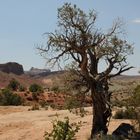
[77, 38]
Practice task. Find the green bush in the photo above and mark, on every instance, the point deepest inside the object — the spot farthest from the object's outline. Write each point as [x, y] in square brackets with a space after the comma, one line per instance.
[75, 106]
[36, 88]
[63, 130]
[9, 98]
[55, 89]
[118, 103]
[35, 95]
[129, 113]
[22, 88]
[43, 103]
[72, 102]
[134, 101]
[13, 85]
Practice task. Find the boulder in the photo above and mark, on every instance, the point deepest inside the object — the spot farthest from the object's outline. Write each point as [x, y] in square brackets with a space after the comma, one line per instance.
[126, 131]
[12, 67]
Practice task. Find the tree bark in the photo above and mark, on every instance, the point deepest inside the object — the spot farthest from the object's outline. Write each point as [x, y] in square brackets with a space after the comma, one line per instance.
[101, 110]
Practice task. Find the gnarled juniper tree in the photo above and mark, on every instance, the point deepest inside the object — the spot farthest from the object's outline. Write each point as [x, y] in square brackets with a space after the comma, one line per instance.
[78, 38]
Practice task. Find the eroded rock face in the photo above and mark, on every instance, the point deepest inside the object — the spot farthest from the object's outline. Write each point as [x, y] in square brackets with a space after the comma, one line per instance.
[12, 67]
[38, 72]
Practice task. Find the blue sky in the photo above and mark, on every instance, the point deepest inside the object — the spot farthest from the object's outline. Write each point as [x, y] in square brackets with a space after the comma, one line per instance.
[22, 23]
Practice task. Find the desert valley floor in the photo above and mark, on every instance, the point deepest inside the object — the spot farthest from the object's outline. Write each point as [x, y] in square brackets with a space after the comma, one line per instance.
[17, 123]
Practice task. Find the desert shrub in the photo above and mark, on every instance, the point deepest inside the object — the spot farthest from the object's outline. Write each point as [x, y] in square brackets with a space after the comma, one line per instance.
[118, 103]
[13, 84]
[132, 109]
[36, 88]
[63, 130]
[43, 103]
[72, 102]
[134, 101]
[53, 106]
[9, 98]
[75, 106]
[35, 95]
[55, 89]
[129, 113]
[34, 107]
[22, 88]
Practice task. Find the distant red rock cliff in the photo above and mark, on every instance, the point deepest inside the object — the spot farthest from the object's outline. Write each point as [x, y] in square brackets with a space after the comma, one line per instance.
[12, 67]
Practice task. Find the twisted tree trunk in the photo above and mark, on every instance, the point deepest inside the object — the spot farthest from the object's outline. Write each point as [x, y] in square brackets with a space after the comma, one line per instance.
[101, 108]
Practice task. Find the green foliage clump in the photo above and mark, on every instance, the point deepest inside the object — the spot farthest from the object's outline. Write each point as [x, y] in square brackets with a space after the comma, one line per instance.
[132, 109]
[72, 102]
[119, 103]
[134, 101]
[36, 88]
[13, 85]
[55, 89]
[63, 130]
[129, 113]
[9, 98]
[35, 95]
[75, 106]
[22, 88]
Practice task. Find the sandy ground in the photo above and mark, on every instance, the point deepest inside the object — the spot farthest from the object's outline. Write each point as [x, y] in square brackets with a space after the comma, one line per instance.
[17, 123]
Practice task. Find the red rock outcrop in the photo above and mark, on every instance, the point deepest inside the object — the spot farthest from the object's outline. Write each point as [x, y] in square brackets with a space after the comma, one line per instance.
[12, 67]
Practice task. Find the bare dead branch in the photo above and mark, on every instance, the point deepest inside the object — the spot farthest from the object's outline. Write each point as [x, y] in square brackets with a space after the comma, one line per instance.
[120, 72]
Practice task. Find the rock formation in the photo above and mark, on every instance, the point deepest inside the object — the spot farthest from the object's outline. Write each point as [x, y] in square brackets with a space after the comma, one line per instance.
[12, 67]
[38, 72]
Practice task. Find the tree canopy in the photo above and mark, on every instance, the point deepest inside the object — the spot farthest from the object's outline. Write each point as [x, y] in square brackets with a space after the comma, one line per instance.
[78, 38]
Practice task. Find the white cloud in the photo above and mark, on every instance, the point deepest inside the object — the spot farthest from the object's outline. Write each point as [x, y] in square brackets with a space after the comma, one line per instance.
[136, 21]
